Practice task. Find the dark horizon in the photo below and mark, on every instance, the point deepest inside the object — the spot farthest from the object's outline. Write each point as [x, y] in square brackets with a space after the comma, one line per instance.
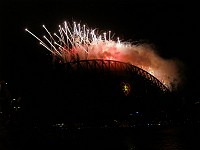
[43, 105]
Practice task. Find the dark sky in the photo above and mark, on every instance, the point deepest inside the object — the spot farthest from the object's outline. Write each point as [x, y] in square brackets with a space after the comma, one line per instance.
[172, 27]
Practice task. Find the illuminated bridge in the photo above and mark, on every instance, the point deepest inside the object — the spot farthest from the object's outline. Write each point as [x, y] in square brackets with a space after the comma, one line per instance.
[97, 89]
[110, 66]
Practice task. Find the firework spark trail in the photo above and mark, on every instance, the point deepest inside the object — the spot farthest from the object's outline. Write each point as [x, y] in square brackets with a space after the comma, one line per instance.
[80, 42]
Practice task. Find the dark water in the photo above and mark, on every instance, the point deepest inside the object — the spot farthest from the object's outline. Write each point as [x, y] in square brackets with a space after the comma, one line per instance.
[177, 138]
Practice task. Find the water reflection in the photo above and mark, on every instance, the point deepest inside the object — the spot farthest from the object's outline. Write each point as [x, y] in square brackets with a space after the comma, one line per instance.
[163, 139]
[108, 139]
[171, 143]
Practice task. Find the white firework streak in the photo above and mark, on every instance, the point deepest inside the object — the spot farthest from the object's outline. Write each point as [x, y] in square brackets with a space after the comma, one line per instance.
[74, 43]
[81, 43]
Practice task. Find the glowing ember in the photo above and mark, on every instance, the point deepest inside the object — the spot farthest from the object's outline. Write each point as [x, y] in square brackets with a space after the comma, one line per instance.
[79, 43]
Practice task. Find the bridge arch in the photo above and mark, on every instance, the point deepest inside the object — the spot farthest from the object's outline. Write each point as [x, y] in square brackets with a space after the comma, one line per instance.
[102, 66]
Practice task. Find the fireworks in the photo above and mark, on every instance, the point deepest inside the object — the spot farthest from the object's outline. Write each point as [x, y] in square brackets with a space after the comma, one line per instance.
[78, 42]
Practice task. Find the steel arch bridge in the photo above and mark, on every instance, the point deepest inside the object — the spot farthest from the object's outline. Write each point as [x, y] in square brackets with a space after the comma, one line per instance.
[102, 66]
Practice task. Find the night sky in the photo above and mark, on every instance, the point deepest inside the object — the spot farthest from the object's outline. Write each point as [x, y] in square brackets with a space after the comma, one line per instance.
[172, 27]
